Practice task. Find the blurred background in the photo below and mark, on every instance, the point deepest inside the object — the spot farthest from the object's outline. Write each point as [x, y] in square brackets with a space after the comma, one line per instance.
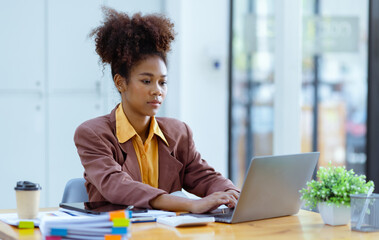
[250, 77]
[333, 82]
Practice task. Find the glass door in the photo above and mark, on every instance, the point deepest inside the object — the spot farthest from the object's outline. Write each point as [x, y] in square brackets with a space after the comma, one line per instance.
[252, 84]
[334, 85]
[334, 88]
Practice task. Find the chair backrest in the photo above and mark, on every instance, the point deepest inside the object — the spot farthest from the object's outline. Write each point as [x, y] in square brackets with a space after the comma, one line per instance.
[75, 191]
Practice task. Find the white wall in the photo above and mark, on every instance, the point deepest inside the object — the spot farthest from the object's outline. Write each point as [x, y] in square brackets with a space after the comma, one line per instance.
[198, 92]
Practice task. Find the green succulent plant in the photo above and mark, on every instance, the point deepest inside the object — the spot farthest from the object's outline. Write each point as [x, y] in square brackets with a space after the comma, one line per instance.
[334, 186]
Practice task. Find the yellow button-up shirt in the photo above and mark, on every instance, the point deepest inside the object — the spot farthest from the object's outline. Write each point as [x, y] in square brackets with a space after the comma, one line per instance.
[147, 153]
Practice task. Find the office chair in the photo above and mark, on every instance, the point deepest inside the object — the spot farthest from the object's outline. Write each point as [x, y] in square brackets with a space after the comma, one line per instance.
[75, 191]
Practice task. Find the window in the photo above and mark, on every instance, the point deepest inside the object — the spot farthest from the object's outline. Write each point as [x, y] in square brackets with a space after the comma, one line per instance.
[334, 85]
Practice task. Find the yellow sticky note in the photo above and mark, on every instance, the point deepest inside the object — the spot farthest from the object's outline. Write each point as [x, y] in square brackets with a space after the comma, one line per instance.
[26, 232]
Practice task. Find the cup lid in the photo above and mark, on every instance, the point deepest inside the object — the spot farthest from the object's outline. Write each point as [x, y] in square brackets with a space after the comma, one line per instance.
[27, 186]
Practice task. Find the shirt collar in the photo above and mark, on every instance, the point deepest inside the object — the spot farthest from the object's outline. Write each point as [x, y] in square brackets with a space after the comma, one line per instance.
[125, 130]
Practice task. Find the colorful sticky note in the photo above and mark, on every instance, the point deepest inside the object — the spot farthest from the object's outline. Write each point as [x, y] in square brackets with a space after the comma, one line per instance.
[26, 232]
[119, 230]
[58, 232]
[120, 222]
[116, 214]
[112, 237]
[25, 224]
[53, 238]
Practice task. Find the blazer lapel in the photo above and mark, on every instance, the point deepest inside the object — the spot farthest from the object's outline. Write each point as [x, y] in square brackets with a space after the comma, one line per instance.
[131, 161]
[169, 166]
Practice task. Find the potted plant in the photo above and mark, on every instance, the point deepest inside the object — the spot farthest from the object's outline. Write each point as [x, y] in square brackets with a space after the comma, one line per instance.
[331, 193]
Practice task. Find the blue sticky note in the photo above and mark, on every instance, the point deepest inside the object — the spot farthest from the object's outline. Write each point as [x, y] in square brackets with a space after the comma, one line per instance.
[58, 232]
[119, 230]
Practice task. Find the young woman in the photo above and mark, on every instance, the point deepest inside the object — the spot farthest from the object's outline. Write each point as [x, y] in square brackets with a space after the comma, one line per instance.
[129, 156]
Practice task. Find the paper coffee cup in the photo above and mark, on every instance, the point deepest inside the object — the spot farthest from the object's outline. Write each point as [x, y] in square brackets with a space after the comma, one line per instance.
[27, 197]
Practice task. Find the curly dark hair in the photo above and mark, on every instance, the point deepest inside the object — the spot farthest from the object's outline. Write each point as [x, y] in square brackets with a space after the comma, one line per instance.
[122, 41]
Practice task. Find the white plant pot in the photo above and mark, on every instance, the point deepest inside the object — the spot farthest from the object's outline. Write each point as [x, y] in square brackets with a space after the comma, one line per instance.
[334, 215]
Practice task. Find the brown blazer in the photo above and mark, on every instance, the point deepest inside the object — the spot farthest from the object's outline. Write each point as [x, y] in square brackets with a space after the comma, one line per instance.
[112, 172]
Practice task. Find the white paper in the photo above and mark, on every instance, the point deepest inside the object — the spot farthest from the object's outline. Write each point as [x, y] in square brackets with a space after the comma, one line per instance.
[154, 213]
[12, 218]
[185, 221]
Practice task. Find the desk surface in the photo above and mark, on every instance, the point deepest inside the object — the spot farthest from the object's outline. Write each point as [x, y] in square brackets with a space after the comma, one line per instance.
[305, 225]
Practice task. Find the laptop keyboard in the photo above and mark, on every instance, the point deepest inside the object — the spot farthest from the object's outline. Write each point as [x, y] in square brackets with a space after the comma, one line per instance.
[223, 217]
[220, 215]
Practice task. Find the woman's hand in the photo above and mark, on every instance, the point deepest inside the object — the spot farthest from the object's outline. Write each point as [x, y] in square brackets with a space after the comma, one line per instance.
[214, 200]
[173, 203]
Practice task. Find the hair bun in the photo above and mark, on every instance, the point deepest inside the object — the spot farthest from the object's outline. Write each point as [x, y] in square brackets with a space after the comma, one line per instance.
[122, 41]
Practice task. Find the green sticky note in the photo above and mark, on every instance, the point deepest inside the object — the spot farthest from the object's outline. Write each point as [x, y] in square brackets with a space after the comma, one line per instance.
[25, 224]
[120, 222]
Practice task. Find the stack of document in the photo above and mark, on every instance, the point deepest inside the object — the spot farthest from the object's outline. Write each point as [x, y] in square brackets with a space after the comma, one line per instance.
[113, 225]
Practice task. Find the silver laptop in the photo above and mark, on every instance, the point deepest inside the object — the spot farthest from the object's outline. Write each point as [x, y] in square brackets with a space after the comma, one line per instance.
[271, 188]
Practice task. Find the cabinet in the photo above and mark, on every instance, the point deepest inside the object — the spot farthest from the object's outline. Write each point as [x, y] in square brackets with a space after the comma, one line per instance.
[22, 97]
[72, 61]
[22, 45]
[22, 142]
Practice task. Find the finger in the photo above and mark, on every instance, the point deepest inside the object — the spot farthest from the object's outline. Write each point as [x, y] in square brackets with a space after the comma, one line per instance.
[216, 204]
[230, 200]
[234, 193]
[227, 198]
[232, 204]
[230, 193]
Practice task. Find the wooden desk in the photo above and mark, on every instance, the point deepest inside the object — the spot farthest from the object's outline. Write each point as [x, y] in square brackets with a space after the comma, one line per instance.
[305, 225]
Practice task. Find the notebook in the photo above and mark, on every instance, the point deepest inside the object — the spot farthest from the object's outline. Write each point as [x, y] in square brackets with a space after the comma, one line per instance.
[271, 188]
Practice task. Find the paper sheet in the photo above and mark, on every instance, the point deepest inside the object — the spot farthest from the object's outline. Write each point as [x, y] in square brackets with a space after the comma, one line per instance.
[12, 218]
